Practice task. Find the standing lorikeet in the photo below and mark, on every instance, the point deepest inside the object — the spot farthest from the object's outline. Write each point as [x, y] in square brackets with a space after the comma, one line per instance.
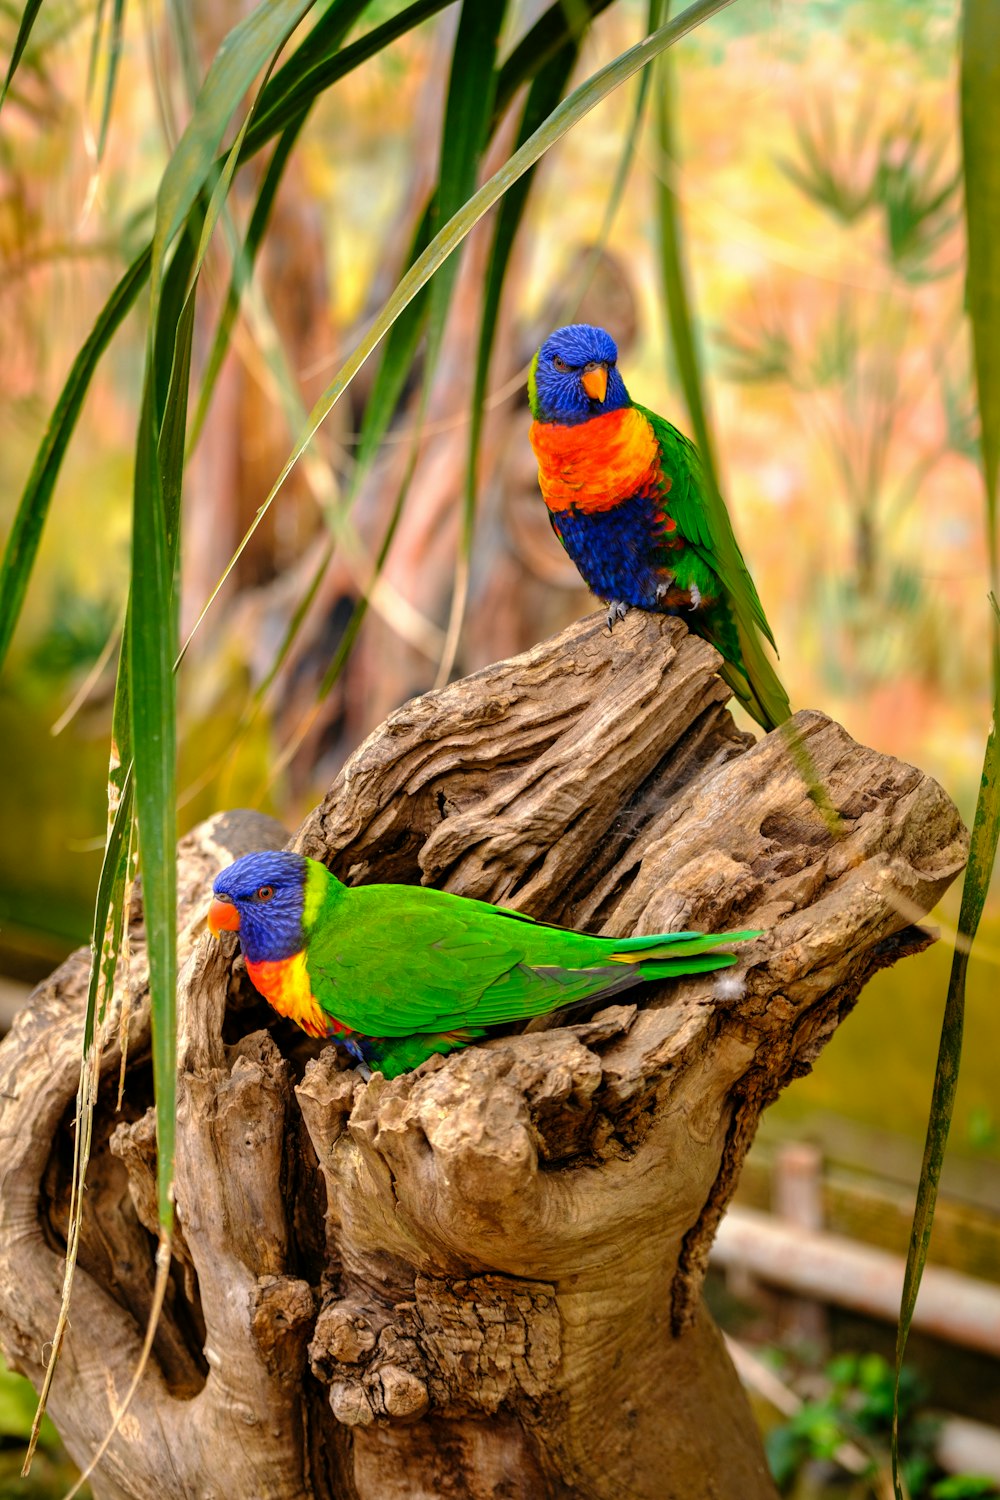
[399, 972]
[628, 499]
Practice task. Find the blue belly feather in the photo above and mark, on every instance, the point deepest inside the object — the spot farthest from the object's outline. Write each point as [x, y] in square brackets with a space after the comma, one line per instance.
[618, 551]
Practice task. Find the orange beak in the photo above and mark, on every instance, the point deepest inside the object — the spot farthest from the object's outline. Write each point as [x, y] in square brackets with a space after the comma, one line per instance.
[223, 917]
[595, 382]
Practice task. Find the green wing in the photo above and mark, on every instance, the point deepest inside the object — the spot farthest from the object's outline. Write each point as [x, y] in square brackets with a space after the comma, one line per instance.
[702, 519]
[703, 522]
[395, 960]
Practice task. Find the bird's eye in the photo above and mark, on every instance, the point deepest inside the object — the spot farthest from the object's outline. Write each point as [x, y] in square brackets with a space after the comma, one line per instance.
[560, 364]
[265, 893]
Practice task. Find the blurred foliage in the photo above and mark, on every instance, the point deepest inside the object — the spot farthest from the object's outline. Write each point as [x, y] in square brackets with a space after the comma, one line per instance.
[851, 1404]
[846, 360]
[849, 1076]
[75, 637]
[53, 1472]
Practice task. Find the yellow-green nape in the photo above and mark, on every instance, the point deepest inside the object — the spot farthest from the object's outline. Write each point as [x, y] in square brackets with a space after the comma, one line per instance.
[533, 405]
[314, 892]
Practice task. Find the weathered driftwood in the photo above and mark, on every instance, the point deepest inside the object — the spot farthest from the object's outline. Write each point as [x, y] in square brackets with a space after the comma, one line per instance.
[482, 1278]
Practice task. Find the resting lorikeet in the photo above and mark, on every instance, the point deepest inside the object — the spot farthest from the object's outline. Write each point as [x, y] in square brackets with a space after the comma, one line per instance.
[399, 972]
[628, 499]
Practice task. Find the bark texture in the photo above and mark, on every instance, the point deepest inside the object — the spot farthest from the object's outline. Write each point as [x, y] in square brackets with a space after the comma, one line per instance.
[481, 1279]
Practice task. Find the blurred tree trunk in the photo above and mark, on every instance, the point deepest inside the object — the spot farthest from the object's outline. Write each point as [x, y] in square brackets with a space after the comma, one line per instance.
[484, 1277]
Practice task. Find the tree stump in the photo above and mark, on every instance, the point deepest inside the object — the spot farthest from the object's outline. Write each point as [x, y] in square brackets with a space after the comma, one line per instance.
[484, 1277]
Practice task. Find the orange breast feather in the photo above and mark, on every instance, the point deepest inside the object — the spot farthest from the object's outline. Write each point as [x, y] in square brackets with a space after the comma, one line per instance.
[284, 982]
[597, 464]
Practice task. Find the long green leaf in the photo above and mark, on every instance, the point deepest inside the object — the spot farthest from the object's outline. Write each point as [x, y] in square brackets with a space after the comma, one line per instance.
[467, 114]
[569, 113]
[543, 96]
[559, 25]
[181, 19]
[249, 46]
[155, 547]
[114, 57]
[674, 274]
[397, 359]
[980, 123]
[28, 18]
[152, 650]
[295, 86]
[95, 46]
[109, 925]
[151, 660]
[26, 533]
[980, 104]
[465, 129]
[242, 269]
[982, 857]
[326, 37]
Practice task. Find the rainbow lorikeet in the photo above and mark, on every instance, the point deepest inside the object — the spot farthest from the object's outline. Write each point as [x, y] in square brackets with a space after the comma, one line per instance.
[399, 972]
[628, 499]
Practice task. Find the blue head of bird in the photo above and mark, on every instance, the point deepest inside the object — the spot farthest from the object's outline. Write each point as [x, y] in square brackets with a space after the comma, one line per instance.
[574, 376]
[262, 897]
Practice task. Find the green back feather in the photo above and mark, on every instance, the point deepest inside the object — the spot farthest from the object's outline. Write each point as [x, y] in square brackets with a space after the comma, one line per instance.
[391, 961]
[703, 521]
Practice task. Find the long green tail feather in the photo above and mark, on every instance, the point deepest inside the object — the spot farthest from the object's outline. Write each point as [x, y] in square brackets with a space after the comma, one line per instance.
[675, 945]
[394, 1055]
[759, 688]
[666, 968]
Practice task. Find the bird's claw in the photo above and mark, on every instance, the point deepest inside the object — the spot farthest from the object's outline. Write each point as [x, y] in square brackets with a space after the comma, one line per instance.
[695, 596]
[617, 610]
[663, 589]
[357, 1056]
